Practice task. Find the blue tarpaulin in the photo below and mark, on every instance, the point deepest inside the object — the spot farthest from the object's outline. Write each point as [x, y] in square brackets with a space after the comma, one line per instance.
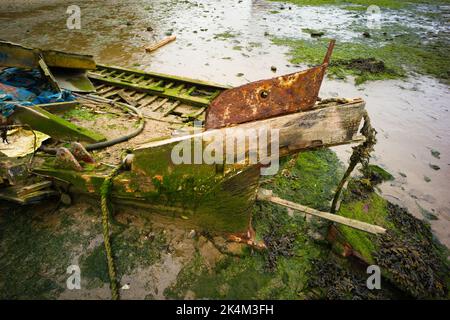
[27, 88]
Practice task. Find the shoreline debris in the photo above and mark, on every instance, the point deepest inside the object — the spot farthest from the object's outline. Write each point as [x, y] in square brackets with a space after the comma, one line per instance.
[161, 43]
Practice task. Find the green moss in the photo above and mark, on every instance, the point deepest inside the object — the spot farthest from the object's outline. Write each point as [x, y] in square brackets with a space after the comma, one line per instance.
[392, 4]
[80, 114]
[244, 278]
[355, 8]
[310, 178]
[225, 35]
[378, 174]
[376, 58]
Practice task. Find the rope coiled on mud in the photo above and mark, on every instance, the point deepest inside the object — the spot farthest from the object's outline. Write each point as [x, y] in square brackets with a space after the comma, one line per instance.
[105, 193]
[361, 154]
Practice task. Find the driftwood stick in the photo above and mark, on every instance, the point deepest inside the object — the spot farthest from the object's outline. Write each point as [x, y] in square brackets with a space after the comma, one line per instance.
[266, 195]
[160, 44]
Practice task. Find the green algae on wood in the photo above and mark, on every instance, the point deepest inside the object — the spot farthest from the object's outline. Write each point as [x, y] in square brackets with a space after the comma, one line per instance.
[56, 127]
[281, 272]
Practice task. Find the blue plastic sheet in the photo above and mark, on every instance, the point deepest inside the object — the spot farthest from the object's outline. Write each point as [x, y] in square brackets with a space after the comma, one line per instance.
[26, 88]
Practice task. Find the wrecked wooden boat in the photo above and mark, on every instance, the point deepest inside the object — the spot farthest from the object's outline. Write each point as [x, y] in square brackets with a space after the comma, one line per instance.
[148, 133]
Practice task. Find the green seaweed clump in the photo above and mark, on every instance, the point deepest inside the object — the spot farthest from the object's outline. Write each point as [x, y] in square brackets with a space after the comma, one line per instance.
[411, 257]
[332, 281]
[407, 253]
[392, 4]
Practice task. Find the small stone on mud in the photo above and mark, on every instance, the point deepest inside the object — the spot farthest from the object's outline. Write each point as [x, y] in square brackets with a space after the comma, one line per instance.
[435, 154]
[434, 167]
[190, 295]
[192, 234]
[316, 235]
[125, 287]
[273, 68]
[427, 179]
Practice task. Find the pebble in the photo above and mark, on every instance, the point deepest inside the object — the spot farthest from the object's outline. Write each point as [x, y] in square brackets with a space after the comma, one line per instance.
[192, 234]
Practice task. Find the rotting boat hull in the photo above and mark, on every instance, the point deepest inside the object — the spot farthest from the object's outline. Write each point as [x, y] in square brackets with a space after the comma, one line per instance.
[216, 197]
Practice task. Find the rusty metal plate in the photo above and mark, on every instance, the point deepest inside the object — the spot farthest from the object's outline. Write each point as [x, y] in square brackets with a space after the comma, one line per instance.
[268, 98]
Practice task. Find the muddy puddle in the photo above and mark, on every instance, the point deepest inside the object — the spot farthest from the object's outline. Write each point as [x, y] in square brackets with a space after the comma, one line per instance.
[230, 42]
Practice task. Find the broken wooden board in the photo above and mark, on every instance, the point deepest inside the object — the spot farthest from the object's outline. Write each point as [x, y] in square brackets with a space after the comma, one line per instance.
[323, 127]
[33, 197]
[190, 91]
[15, 55]
[266, 195]
[58, 128]
[74, 80]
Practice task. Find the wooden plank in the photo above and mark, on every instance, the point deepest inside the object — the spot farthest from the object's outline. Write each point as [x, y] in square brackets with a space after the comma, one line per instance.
[56, 127]
[60, 59]
[266, 195]
[160, 43]
[149, 101]
[29, 198]
[160, 104]
[139, 96]
[15, 55]
[111, 93]
[171, 108]
[127, 98]
[328, 126]
[108, 89]
[34, 187]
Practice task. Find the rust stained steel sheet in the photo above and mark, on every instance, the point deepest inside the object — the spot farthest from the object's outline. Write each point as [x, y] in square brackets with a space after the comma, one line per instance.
[268, 98]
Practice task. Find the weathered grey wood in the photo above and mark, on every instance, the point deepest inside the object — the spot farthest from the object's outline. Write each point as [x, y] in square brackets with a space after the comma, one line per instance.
[324, 127]
[266, 195]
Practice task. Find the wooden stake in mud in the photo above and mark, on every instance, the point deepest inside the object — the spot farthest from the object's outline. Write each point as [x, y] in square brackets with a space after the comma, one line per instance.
[160, 44]
[266, 195]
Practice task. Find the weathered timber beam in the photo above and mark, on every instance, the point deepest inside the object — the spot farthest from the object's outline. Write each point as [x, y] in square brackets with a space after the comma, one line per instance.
[266, 195]
[56, 127]
[165, 76]
[323, 127]
[15, 55]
